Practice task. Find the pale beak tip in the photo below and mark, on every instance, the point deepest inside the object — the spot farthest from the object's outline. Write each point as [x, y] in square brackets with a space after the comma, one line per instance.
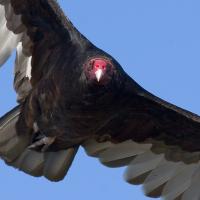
[98, 74]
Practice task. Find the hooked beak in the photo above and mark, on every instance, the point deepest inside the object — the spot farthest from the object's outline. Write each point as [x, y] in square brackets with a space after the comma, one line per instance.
[99, 74]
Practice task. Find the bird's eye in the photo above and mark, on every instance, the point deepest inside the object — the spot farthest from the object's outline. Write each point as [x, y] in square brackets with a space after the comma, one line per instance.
[108, 67]
[90, 66]
[91, 63]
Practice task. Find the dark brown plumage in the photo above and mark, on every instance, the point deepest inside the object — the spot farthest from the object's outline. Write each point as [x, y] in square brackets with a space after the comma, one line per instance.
[77, 93]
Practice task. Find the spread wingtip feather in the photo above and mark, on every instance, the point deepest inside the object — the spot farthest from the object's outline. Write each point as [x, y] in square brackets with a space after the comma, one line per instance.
[13, 150]
[172, 180]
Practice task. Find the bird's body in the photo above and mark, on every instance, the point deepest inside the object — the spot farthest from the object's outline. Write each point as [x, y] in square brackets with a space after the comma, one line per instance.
[53, 104]
[72, 93]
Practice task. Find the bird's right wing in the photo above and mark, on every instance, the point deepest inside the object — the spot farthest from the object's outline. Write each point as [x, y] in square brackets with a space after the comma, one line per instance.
[13, 150]
[42, 36]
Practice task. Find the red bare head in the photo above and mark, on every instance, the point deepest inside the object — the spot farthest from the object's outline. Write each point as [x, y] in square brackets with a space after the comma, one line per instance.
[99, 70]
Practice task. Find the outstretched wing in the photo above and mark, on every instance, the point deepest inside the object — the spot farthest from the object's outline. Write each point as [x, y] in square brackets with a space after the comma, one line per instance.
[157, 141]
[42, 36]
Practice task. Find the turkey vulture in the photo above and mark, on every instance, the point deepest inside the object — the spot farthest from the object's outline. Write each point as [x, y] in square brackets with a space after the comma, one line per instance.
[71, 93]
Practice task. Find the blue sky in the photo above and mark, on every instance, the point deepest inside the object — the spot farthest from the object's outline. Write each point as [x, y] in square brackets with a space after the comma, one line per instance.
[158, 44]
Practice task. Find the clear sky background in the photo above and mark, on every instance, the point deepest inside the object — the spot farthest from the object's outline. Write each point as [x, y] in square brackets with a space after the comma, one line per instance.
[158, 44]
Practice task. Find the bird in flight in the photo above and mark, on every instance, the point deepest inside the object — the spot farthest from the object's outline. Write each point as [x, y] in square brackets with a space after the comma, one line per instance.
[71, 93]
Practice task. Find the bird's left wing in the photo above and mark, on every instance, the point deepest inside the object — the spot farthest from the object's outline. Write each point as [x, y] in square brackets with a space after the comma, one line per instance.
[157, 141]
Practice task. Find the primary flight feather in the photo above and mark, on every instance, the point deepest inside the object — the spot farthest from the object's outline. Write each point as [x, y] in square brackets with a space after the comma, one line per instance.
[71, 93]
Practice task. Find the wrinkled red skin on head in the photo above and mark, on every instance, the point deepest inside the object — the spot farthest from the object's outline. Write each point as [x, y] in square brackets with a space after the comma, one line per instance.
[99, 63]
